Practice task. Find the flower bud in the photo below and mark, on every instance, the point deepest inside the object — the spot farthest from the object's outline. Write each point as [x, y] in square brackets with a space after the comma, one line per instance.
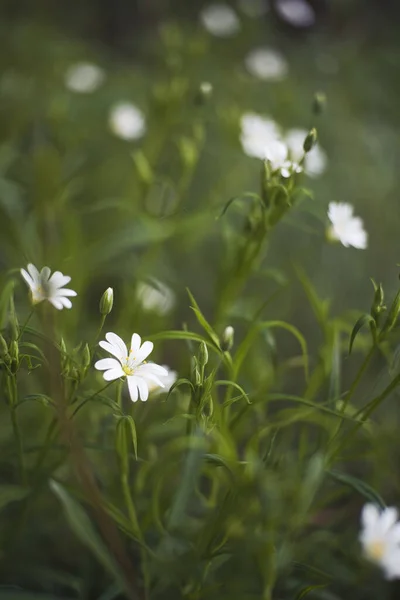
[203, 355]
[392, 316]
[143, 167]
[4, 354]
[14, 351]
[227, 338]
[319, 103]
[86, 357]
[377, 305]
[106, 302]
[310, 140]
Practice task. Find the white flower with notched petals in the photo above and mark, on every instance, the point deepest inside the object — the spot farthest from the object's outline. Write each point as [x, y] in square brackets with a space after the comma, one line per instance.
[155, 296]
[168, 381]
[257, 133]
[254, 8]
[345, 227]
[296, 12]
[380, 538]
[220, 20]
[44, 287]
[267, 64]
[84, 78]
[315, 161]
[276, 153]
[127, 121]
[132, 365]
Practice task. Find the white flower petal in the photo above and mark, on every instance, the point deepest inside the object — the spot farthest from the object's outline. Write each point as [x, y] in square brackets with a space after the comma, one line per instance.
[143, 389]
[143, 352]
[84, 78]
[296, 12]
[127, 121]
[66, 292]
[56, 303]
[118, 345]
[34, 273]
[27, 278]
[150, 368]
[107, 363]
[59, 280]
[112, 374]
[133, 388]
[388, 518]
[45, 274]
[267, 64]
[135, 343]
[65, 301]
[369, 515]
[220, 20]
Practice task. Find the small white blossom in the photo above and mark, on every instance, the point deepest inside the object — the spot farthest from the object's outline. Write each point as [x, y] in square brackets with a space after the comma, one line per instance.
[346, 228]
[44, 287]
[127, 121]
[380, 538]
[139, 373]
[257, 133]
[315, 160]
[168, 381]
[220, 20]
[296, 12]
[276, 153]
[267, 64]
[155, 296]
[84, 78]
[254, 8]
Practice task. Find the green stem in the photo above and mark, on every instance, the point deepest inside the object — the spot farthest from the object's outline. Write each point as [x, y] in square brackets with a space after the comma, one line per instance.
[91, 397]
[130, 506]
[21, 332]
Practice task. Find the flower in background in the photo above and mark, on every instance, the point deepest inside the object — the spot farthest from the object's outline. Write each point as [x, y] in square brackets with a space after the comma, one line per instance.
[257, 133]
[346, 228]
[127, 121]
[84, 78]
[315, 161]
[254, 8]
[220, 20]
[296, 12]
[139, 373]
[168, 381]
[267, 64]
[155, 296]
[44, 287]
[380, 538]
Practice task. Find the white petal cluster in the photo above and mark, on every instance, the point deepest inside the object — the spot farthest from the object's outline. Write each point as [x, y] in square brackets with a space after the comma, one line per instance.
[45, 287]
[141, 375]
[345, 227]
[155, 296]
[254, 8]
[297, 13]
[127, 121]
[220, 20]
[267, 64]
[168, 381]
[380, 538]
[84, 78]
[315, 162]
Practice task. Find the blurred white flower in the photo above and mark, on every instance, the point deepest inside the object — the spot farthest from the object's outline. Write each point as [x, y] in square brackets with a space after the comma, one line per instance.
[44, 287]
[254, 8]
[257, 133]
[155, 296]
[139, 373]
[84, 78]
[346, 228]
[315, 161]
[168, 381]
[296, 12]
[127, 121]
[220, 20]
[380, 538]
[267, 64]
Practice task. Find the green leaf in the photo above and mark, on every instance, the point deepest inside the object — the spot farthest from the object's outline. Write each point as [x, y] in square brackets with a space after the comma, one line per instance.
[235, 385]
[83, 528]
[359, 486]
[365, 319]
[248, 195]
[180, 335]
[6, 293]
[202, 320]
[179, 383]
[11, 493]
[310, 588]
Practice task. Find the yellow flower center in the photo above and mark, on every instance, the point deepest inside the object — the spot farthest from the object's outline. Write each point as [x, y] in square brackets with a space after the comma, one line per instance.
[127, 370]
[376, 550]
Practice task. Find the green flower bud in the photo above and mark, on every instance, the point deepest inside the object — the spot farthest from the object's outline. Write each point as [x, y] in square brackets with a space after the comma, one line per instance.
[14, 351]
[319, 103]
[86, 357]
[106, 302]
[392, 316]
[143, 167]
[310, 140]
[227, 338]
[377, 305]
[203, 355]
[4, 350]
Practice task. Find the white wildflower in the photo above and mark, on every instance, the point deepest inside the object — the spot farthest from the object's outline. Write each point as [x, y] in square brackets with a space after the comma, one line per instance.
[254, 8]
[139, 373]
[267, 64]
[257, 133]
[44, 287]
[127, 121]
[155, 296]
[84, 78]
[346, 228]
[315, 161]
[296, 12]
[220, 20]
[380, 538]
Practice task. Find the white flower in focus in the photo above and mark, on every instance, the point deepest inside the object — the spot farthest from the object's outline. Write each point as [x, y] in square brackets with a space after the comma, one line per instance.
[346, 228]
[139, 373]
[220, 20]
[380, 538]
[127, 121]
[44, 287]
[296, 12]
[254, 8]
[84, 78]
[156, 297]
[168, 381]
[315, 161]
[257, 133]
[267, 64]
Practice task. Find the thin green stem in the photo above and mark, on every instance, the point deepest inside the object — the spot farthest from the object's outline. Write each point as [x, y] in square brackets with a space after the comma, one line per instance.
[12, 393]
[22, 330]
[86, 400]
